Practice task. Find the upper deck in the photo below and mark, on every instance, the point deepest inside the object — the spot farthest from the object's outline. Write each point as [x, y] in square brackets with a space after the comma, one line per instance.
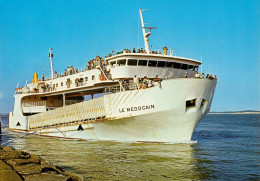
[126, 65]
[154, 56]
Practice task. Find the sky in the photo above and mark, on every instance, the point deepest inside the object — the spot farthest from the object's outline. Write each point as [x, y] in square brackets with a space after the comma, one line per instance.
[225, 34]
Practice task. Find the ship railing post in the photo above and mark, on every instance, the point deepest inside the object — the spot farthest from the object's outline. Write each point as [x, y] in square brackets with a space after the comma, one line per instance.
[121, 87]
[64, 99]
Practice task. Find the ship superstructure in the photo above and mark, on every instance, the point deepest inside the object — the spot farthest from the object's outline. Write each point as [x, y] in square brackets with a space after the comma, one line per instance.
[143, 96]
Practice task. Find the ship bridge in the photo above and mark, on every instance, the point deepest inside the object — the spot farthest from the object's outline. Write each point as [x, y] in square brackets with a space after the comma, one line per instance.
[127, 65]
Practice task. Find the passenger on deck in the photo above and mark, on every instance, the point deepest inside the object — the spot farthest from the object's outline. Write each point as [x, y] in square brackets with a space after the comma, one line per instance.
[76, 82]
[197, 75]
[186, 75]
[140, 83]
[142, 51]
[56, 74]
[150, 83]
[48, 87]
[134, 50]
[73, 70]
[42, 77]
[202, 75]
[145, 82]
[136, 81]
[138, 51]
[156, 78]
[77, 70]
[215, 77]
[207, 76]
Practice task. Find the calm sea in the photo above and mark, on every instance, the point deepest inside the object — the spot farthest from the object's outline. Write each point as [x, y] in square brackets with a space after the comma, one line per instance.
[225, 147]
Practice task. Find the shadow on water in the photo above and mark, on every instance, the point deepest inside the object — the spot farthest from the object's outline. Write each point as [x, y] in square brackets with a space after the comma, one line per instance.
[120, 161]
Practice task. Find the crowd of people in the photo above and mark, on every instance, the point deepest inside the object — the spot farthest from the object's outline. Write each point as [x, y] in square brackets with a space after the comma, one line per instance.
[141, 50]
[201, 76]
[98, 62]
[140, 83]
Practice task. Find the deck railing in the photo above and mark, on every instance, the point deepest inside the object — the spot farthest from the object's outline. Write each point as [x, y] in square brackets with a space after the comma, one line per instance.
[87, 110]
[34, 104]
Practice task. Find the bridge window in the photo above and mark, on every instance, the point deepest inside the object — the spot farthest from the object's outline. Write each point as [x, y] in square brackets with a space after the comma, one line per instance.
[190, 67]
[152, 63]
[132, 62]
[184, 66]
[169, 64]
[121, 62]
[57, 84]
[86, 79]
[142, 62]
[61, 84]
[112, 63]
[176, 65]
[93, 77]
[161, 64]
[195, 68]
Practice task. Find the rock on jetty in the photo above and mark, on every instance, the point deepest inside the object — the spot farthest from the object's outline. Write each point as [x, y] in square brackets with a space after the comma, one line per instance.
[16, 165]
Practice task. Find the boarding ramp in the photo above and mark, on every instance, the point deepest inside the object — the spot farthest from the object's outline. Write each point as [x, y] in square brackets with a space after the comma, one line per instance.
[87, 110]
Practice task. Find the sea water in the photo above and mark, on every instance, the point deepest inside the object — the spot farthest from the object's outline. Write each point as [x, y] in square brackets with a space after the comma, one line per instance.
[224, 147]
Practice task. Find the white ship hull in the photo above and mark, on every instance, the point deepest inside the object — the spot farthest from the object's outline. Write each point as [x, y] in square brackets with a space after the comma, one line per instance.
[157, 114]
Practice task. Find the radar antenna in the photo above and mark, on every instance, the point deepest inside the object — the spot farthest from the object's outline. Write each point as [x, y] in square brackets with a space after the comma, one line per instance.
[145, 35]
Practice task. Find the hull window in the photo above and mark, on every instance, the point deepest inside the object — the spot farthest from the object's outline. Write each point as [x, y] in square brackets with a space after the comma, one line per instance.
[152, 63]
[176, 65]
[169, 64]
[142, 62]
[161, 64]
[203, 105]
[190, 103]
[132, 62]
[113, 63]
[195, 68]
[184, 66]
[190, 67]
[121, 62]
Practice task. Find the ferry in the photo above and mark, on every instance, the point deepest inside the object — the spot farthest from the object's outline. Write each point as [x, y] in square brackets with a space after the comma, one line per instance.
[134, 96]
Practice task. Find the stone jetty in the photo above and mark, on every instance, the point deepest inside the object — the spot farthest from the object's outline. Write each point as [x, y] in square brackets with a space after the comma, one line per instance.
[16, 165]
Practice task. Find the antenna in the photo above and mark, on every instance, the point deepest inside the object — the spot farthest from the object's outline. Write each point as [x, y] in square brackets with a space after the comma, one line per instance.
[145, 35]
[51, 56]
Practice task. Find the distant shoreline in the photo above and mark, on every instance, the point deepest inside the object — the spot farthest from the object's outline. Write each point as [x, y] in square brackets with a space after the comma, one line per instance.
[4, 115]
[256, 112]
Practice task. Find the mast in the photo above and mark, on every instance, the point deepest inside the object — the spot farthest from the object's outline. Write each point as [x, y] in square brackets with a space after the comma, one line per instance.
[51, 56]
[145, 35]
